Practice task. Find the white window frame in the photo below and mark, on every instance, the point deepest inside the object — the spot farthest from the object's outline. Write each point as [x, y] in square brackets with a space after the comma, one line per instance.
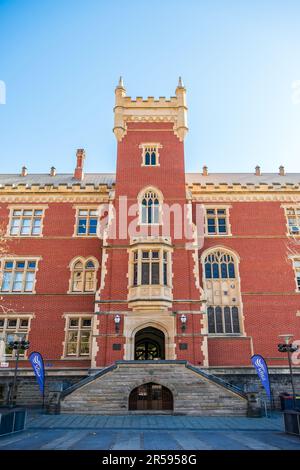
[294, 207]
[217, 207]
[84, 261]
[80, 317]
[295, 259]
[18, 331]
[23, 208]
[238, 304]
[88, 217]
[14, 270]
[150, 147]
[164, 258]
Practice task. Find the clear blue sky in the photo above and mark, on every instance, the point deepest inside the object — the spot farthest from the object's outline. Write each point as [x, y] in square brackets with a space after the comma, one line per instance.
[61, 59]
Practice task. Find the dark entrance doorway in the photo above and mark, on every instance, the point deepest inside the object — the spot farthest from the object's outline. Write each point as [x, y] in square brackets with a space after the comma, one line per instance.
[149, 345]
[151, 396]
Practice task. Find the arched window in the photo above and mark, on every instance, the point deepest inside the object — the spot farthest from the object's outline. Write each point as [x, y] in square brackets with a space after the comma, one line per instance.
[150, 155]
[150, 206]
[83, 278]
[221, 283]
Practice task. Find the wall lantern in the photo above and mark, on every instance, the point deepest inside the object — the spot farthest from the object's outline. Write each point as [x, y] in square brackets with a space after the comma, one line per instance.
[117, 320]
[183, 320]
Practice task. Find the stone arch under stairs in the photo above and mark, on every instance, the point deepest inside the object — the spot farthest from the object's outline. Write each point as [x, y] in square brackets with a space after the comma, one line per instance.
[194, 391]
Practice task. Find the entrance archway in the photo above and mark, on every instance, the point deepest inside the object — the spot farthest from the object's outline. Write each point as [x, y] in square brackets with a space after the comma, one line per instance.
[151, 396]
[149, 344]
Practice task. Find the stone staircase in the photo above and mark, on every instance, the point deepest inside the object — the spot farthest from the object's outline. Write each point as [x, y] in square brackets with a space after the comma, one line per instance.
[194, 391]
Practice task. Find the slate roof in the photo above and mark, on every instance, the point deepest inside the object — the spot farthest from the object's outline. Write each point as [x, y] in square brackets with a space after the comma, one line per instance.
[109, 179]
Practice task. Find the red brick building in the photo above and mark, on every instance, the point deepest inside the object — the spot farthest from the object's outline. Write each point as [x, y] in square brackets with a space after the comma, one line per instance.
[150, 263]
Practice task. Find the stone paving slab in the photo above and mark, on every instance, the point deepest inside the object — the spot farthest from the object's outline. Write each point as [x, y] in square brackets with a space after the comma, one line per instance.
[171, 422]
[149, 440]
[79, 432]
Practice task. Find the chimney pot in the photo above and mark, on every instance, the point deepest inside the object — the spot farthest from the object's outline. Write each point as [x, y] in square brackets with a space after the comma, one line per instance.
[281, 170]
[205, 170]
[257, 170]
[53, 171]
[24, 171]
[80, 156]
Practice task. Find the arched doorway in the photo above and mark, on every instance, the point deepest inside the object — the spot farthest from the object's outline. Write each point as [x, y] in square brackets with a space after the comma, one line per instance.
[151, 396]
[149, 345]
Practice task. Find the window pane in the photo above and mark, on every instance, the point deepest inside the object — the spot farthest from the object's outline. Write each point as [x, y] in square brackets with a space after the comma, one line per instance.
[235, 320]
[155, 273]
[17, 284]
[145, 273]
[208, 271]
[86, 322]
[6, 281]
[11, 323]
[144, 215]
[77, 281]
[147, 158]
[219, 321]
[231, 270]
[165, 274]
[36, 229]
[215, 270]
[26, 224]
[84, 343]
[93, 227]
[38, 212]
[23, 323]
[81, 226]
[155, 214]
[74, 322]
[153, 158]
[20, 264]
[15, 226]
[224, 270]
[211, 320]
[227, 318]
[135, 271]
[89, 281]
[29, 281]
[31, 264]
[222, 225]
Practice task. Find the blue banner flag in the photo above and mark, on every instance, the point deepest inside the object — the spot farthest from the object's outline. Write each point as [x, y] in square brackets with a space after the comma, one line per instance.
[262, 371]
[37, 363]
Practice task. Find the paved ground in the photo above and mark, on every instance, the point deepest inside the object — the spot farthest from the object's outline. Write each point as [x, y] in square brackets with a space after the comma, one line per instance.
[150, 433]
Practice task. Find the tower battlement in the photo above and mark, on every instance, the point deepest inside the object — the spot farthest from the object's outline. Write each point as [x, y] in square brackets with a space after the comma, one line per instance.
[163, 109]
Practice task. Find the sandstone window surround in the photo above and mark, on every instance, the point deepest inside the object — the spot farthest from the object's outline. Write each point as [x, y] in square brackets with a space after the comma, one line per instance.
[78, 336]
[222, 288]
[217, 221]
[150, 274]
[150, 154]
[86, 222]
[18, 275]
[83, 275]
[292, 214]
[26, 221]
[150, 202]
[12, 328]
[296, 265]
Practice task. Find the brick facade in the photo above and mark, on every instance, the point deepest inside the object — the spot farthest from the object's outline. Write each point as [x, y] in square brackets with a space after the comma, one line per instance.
[258, 240]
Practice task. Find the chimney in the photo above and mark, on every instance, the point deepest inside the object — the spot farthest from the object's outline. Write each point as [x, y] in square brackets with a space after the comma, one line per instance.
[80, 156]
[52, 171]
[24, 171]
[281, 170]
[257, 170]
[205, 170]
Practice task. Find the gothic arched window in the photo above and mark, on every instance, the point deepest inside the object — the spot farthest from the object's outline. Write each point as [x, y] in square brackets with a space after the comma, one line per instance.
[83, 275]
[150, 207]
[221, 284]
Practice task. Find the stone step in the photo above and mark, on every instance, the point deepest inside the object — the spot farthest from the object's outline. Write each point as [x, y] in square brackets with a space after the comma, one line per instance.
[193, 393]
